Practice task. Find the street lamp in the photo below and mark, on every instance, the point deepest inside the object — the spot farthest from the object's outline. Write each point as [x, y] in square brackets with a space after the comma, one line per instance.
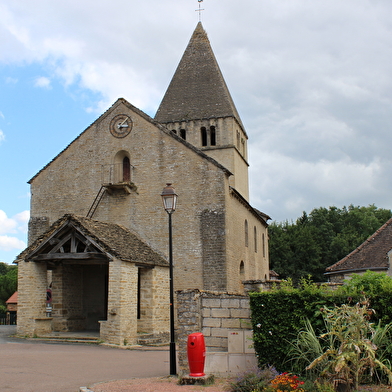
[169, 199]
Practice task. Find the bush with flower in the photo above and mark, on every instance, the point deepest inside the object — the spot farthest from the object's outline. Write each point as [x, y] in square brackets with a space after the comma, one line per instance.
[266, 380]
[287, 382]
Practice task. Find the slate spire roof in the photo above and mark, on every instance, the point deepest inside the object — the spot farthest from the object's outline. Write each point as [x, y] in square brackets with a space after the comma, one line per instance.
[198, 89]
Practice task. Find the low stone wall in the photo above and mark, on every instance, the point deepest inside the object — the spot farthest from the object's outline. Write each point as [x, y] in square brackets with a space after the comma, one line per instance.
[224, 320]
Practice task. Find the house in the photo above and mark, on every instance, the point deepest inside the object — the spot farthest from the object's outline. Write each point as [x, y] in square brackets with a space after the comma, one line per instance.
[374, 254]
[12, 308]
[98, 234]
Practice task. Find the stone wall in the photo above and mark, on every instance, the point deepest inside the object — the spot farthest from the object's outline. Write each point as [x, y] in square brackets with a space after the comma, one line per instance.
[246, 247]
[224, 320]
[70, 183]
[214, 249]
[38, 225]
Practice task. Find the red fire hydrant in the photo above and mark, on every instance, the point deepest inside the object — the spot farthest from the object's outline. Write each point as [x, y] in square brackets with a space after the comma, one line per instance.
[196, 354]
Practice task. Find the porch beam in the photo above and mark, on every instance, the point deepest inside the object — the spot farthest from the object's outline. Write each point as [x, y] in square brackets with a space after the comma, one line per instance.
[69, 256]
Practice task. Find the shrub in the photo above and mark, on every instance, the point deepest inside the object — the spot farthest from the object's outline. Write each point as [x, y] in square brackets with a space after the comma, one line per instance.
[255, 380]
[349, 351]
[280, 314]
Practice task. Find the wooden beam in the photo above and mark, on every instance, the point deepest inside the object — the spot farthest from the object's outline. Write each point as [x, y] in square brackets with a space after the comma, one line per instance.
[69, 256]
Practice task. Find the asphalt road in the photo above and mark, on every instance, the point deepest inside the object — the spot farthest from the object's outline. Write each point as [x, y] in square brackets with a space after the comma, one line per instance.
[34, 366]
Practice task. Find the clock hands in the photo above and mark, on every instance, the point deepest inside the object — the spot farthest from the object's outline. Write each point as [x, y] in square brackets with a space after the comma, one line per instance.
[123, 124]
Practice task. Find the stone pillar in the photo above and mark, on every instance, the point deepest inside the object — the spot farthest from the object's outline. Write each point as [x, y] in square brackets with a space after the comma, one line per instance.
[160, 301]
[58, 314]
[145, 324]
[32, 285]
[189, 313]
[120, 328]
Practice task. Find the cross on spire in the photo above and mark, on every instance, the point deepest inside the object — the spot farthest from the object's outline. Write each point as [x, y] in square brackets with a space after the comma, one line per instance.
[200, 9]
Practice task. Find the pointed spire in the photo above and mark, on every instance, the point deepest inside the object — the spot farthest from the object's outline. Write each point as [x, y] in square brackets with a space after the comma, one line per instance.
[198, 89]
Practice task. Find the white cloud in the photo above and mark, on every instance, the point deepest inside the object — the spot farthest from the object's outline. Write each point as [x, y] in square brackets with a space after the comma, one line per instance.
[22, 219]
[43, 82]
[7, 225]
[312, 81]
[16, 224]
[2, 136]
[11, 229]
[11, 243]
[10, 80]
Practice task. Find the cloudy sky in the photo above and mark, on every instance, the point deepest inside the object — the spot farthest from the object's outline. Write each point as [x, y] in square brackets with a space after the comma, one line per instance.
[311, 79]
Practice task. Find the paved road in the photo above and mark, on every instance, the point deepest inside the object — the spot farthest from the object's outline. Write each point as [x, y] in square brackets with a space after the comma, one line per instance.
[32, 366]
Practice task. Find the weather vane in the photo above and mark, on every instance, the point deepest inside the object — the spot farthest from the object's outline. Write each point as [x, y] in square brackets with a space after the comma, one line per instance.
[200, 9]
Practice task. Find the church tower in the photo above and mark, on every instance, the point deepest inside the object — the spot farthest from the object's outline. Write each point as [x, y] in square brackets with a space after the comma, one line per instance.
[198, 107]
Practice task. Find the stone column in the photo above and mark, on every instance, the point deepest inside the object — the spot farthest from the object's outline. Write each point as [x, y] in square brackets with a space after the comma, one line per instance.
[121, 325]
[160, 294]
[32, 285]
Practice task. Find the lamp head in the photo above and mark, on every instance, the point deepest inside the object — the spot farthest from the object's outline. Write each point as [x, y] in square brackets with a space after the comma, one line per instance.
[169, 198]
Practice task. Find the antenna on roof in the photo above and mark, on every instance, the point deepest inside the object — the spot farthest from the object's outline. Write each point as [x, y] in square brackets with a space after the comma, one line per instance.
[200, 9]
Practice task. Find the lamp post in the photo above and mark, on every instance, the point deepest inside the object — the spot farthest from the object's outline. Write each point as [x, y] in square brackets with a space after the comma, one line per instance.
[169, 198]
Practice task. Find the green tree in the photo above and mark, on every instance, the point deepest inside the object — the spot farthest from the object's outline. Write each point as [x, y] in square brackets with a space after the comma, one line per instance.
[321, 238]
[8, 281]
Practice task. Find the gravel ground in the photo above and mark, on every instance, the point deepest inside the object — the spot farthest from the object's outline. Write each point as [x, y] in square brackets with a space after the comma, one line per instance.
[158, 384]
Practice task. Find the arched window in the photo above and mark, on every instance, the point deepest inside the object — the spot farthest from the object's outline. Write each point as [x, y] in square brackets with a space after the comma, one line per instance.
[126, 170]
[183, 133]
[255, 234]
[263, 239]
[174, 131]
[120, 170]
[213, 136]
[246, 233]
[238, 139]
[203, 131]
[242, 270]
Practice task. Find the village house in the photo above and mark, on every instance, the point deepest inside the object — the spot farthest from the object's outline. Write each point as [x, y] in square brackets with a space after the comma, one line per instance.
[12, 308]
[374, 254]
[98, 234]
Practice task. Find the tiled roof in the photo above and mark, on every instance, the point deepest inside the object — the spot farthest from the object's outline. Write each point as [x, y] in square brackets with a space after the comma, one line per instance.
[113, 240]
[13, 299]
[197, 90]
[371, 254]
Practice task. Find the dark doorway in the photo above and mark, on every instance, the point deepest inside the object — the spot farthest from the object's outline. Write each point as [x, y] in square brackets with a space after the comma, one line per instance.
[95, 295]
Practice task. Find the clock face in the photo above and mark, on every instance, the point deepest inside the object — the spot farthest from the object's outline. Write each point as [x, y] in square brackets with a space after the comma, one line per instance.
[121, 125]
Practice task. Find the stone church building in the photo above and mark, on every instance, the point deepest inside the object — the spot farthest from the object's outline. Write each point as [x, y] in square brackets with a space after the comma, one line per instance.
[98, 233]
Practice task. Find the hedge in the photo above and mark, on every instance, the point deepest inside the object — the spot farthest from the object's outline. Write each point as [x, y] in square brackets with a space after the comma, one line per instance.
[279, 315]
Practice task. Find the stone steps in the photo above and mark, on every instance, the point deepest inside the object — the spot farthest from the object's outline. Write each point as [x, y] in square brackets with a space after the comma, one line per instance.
[69, 338]
[152, 340]
[149, 340]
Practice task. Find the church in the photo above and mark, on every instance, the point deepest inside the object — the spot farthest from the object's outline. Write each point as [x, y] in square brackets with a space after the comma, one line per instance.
[97, 255]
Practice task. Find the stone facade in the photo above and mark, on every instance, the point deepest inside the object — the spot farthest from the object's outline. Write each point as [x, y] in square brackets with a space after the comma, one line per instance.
[225, 321]
[97, 221]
